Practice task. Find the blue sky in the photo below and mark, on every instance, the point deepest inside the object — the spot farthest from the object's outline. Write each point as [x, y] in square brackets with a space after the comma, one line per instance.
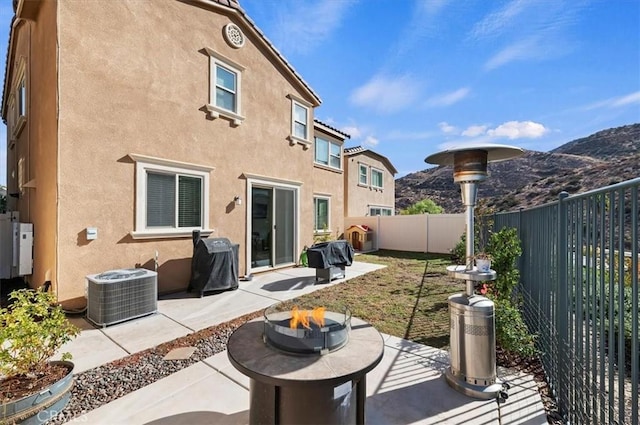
[408, 78]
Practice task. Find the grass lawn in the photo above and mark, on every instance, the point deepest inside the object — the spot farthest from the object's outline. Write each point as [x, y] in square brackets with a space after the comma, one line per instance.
[407, 299]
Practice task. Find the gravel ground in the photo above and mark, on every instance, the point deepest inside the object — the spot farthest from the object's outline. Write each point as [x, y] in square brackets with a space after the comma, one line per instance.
[101, 385]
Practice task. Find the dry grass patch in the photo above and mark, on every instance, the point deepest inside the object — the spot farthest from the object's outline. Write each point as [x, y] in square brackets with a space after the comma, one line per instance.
[407, 299]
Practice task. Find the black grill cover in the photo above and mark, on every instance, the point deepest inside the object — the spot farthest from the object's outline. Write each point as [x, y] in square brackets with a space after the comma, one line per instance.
[214, 265]
[326, 254]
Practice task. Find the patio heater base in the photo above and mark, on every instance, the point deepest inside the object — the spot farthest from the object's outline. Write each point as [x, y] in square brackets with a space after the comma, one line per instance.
[495, 390]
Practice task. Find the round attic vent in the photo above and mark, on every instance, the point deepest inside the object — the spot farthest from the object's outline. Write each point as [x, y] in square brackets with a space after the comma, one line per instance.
[233, 35]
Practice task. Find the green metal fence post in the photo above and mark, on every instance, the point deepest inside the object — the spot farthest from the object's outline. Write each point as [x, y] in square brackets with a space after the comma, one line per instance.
[562, 310]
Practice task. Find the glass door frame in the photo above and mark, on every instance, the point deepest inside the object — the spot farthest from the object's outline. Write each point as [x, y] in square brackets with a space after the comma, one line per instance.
[273, 184]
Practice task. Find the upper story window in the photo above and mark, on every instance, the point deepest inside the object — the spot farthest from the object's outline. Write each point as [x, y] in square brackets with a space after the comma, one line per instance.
[376, 178]
[225, 97]
[300, 119]
[171, 198]
[321, 207]
[328, 153]
[226, 88]
[363, 174]
[22, 98]
[18, 108]
[373, 211]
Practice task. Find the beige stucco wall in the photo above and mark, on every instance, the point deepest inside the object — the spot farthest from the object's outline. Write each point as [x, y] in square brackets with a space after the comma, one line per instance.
[134, 79]
[359, 198]
[329, 181]
[35, 50]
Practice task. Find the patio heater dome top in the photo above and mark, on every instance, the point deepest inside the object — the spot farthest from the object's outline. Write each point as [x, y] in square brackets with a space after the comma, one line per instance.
[495, 152]
[470, 161]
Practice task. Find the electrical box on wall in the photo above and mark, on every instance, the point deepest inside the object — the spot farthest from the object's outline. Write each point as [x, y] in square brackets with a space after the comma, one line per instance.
[6, 243]
[92, 233]
[22, 249]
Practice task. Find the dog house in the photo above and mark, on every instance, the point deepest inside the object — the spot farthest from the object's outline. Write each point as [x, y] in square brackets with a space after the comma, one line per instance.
[360, 236]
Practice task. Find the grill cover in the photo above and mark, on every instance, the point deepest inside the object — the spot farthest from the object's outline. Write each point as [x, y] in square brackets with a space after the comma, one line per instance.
[214, 266]
[326, 254]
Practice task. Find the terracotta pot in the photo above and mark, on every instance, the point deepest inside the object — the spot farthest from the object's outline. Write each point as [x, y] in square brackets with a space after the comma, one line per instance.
[39, 408]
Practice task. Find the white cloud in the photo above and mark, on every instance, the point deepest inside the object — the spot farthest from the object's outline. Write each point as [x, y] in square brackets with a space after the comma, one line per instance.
[447, 128]
[448, 99]
[518, 130]
[353, 131]
[520, 50]
[496, 22]
[616, 102]
[410, 135]
[386, 94]
[300, 26]
[529, 30]
[422, 23]
[371, 141]
[474, 130]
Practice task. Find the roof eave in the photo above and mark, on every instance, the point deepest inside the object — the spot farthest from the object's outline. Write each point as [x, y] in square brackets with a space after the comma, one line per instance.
[330, 130]
[259, 35]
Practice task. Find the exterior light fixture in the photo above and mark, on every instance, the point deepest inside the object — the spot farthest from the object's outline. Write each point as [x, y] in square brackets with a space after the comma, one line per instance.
[237, 200]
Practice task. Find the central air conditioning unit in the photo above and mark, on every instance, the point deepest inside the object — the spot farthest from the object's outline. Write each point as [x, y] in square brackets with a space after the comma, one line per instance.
[118, 295]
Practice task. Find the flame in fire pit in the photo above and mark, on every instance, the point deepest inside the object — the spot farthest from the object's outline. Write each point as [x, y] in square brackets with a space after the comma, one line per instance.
[304, 317]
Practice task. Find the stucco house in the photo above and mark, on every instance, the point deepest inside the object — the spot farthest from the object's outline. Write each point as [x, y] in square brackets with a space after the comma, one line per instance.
[369, 187]
[132, 123]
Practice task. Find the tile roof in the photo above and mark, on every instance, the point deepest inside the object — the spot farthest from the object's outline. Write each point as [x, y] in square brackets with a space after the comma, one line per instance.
[340, 132]
[234, 4]
[354, 150]
[228, 3]
[359, 149]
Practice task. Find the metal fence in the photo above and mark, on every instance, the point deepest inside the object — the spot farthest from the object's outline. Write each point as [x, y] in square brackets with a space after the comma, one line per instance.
[579, 287]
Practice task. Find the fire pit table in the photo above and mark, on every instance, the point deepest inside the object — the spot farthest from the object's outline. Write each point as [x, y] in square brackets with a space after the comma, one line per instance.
[308, 383]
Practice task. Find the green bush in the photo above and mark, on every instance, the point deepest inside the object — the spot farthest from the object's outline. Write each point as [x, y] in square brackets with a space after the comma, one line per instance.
[504, 247]
[32, 329]
[426, 206]
[459, 252]
[512, 334]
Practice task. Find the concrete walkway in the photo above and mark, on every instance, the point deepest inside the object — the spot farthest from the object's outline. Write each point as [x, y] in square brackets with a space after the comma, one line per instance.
[407, 387]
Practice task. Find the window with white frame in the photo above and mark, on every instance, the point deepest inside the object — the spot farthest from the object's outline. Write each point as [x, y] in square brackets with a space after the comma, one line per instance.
[373, 211]
[171, 197]
[376, 178]
[328, 153]
[22, 97]
[300, 120]
[18, 110]
[225, 88]
[363, 174]
[321, 207]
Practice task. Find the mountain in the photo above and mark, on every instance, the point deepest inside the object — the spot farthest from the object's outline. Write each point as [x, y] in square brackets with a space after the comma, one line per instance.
[535, 178]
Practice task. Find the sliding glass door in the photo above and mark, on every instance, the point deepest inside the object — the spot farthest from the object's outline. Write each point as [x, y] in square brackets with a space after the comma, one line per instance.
[273, 225]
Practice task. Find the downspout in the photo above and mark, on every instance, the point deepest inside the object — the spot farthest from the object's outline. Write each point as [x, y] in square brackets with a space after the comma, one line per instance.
[56, 237]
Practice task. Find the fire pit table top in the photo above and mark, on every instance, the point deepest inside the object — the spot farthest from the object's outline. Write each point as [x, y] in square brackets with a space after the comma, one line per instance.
[251, 356]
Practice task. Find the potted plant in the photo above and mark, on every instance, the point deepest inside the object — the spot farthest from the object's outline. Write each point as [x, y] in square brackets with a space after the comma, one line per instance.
[33, 388]
[483, 261]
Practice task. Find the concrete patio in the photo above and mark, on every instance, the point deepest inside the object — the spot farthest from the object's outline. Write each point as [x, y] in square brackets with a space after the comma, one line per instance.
[407, 387]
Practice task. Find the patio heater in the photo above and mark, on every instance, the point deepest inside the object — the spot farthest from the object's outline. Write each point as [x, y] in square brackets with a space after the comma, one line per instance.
[473, 338]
